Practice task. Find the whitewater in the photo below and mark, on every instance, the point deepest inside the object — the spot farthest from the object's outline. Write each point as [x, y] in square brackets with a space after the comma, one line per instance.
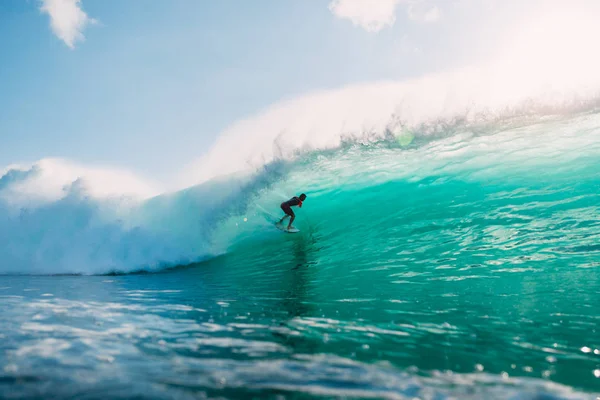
[448, 249]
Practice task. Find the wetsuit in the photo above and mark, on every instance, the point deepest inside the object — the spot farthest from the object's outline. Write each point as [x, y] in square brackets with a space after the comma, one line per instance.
[286, 206]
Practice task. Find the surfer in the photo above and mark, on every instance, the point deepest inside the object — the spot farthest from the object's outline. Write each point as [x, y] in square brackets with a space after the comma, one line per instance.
[286, 206]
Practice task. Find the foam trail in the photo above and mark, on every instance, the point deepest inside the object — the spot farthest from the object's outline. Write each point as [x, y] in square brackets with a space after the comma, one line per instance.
[47, 179]
[49, 226]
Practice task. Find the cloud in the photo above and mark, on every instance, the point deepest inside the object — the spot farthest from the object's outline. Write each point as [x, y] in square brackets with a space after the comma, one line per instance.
[375, 15]
[372, 16]
[67, 19]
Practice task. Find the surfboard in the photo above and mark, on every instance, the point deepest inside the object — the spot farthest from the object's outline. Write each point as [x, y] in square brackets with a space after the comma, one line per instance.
[285, 229]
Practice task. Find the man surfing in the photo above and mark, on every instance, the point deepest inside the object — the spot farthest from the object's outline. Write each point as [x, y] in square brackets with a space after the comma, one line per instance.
[286, 206]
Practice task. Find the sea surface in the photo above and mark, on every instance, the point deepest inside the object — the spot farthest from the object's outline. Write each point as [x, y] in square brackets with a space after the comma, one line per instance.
[463, 266]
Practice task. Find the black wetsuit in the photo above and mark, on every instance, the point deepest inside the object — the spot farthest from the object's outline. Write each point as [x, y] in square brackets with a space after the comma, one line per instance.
[286, 206]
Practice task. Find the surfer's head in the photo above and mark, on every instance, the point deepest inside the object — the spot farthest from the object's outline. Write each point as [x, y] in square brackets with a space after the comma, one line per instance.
[302, 197]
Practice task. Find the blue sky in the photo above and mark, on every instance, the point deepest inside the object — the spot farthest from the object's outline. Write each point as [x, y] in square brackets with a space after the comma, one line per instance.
[153, 83]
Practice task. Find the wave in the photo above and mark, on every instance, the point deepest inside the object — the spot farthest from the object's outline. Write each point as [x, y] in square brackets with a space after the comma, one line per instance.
[80, 231]
[481, 99]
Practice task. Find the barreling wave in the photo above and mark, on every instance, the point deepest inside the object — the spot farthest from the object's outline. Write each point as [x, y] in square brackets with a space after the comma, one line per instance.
[343, 155]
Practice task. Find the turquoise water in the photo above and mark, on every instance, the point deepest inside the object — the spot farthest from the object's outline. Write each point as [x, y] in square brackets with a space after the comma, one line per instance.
[463, 267]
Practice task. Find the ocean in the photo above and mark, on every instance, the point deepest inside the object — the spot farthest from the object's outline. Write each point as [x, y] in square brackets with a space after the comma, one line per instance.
[458, 264]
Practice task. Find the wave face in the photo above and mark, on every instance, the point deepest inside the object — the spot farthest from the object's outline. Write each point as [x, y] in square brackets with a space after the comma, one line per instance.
[496, 196]
[521, 198]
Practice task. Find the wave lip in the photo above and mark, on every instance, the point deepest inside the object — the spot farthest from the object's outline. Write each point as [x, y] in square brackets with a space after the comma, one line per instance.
[434, 106]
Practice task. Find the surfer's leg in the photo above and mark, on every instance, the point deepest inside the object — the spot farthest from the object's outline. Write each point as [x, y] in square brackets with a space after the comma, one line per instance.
[288, 212]
[293, 217]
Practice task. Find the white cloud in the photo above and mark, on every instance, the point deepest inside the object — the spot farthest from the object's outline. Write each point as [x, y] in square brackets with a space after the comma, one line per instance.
[422, 13]
[67, 19]
[371, 15]
[374, 15]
